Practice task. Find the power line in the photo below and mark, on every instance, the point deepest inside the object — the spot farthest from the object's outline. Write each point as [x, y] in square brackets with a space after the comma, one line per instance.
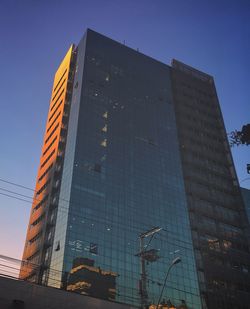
[68, 211]
[15, 184]
[63, 209]
[17, 198]
[248, 178]
[9, 191]
[7, 258]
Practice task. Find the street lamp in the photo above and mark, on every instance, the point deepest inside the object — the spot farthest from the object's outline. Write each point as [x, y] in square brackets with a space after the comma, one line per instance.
[174, 262]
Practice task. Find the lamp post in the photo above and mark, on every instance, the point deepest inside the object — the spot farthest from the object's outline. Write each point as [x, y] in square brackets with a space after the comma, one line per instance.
[174, 262]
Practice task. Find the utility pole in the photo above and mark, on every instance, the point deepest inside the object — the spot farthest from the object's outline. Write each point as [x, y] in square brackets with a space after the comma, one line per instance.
[143, 280]
[146, 256]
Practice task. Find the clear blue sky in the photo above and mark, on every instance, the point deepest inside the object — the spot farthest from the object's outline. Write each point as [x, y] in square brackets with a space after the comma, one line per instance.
[213, 36]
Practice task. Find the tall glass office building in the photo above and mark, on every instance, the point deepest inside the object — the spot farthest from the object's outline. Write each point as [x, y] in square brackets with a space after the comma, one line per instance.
[111, 171]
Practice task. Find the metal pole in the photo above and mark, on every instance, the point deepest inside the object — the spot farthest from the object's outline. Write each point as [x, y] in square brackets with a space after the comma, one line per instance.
[144, 294]
[174, 262]
[141, 254]
[165, 281]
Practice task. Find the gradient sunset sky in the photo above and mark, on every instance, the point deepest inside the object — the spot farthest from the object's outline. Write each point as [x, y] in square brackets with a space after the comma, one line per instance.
[212, 36]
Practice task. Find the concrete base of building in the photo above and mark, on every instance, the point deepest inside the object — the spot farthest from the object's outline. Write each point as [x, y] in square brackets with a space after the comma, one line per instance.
[26, 295]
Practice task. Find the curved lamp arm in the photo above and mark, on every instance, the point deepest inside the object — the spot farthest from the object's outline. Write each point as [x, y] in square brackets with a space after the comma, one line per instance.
[174, 262]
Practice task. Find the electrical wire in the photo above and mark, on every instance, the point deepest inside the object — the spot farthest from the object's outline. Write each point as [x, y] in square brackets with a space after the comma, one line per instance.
[248, 178]
[17, 198]
[61, 272]
[15, 184]
[13, 192]
[66, 211]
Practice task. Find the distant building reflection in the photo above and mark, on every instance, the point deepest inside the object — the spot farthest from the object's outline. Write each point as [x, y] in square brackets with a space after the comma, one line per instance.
[169, 305]
[85, 278]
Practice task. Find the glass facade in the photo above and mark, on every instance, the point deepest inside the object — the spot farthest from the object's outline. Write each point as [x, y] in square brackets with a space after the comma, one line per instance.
[122, 176]
[246, 198]
[218, 221]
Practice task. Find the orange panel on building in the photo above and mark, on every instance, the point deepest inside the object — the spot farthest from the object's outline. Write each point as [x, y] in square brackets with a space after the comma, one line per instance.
[47, 188]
